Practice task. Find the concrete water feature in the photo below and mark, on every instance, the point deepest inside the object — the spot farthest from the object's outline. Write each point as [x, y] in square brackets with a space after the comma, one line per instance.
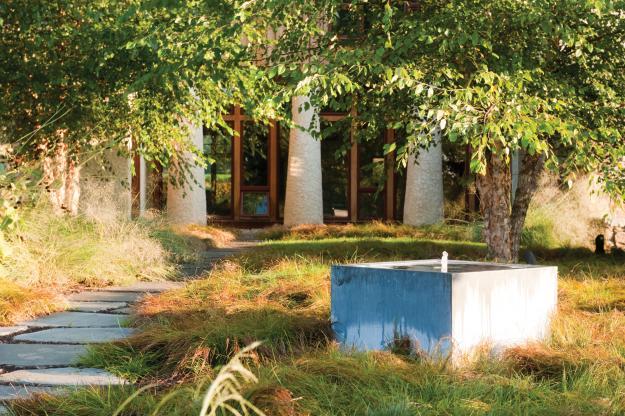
[379, 306]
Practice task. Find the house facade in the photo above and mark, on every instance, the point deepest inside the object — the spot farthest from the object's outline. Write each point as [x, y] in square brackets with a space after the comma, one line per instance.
[269, 174]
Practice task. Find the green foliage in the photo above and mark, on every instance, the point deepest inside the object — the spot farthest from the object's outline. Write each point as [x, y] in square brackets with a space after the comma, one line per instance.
[542, 76]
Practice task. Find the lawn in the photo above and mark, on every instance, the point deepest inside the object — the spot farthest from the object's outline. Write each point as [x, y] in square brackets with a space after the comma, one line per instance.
[278, 293]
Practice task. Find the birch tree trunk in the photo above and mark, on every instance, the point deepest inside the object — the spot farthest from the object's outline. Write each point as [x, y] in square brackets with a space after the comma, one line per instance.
[424, 199]
[186, 203]
[304, 197]
[503, 219]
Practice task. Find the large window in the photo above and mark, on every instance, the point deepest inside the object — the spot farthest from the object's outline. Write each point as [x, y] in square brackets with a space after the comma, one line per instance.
[254, 170]
[218, 174]
[371, 177]
[335, 147]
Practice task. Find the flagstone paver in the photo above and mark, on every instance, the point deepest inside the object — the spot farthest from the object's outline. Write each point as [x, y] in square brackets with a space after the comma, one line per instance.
[145, 287]
[103, 296]
[10, 330]
[127, 310]
[39, 355]
[41, 351]
[78, 320]
[64, 376]
[10, 392]
[81, 306]
[76, 335]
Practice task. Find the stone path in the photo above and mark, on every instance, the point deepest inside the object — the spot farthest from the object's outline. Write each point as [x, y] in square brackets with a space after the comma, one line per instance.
[39, 355]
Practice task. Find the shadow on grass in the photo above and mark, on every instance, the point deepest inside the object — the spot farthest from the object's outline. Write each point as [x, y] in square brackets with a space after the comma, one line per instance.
[179, 346]
[351, 250]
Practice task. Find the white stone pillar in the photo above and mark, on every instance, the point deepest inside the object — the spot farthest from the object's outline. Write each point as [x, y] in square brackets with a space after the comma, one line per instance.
[187, 204]
[304, 198]
[424, 186]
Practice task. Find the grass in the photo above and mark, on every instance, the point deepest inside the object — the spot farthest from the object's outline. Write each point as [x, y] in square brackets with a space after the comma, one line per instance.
[48, 255]
[19, 303]
[279, 294]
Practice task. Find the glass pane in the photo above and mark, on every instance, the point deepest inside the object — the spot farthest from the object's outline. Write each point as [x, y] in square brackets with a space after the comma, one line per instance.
[255, 143]
[283, 160]
[255, 204]
[400, 193]
[218, 175]
[335, 178]
[371, 170]
[370, 205]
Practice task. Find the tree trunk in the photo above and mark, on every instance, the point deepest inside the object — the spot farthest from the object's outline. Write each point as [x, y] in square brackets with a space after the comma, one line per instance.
[424, 201]
[503, 220]
[529, 174]
[304, 194]
[495, 188]
[61, 178]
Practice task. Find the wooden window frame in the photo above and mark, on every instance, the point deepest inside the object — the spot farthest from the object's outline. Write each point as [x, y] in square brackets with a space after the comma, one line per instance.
[237, 117]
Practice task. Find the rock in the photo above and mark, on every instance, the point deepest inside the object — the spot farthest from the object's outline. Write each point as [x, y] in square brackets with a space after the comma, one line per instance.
[76, 335]
[65, 376]
[40, 355]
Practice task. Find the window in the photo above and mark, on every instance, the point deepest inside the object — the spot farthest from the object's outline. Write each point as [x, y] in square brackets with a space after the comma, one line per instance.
[218, 175]
[335, 147]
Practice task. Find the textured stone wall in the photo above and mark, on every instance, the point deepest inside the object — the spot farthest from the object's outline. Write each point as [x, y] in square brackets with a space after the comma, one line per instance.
[187, 204]
[424, 187]
[304, 198]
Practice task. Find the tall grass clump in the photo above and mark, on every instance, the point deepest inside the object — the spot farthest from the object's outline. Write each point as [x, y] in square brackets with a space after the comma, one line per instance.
[63, 251]
[560, 216]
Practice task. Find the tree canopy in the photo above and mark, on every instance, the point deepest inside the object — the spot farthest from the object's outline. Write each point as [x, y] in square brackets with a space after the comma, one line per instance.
[541, 77]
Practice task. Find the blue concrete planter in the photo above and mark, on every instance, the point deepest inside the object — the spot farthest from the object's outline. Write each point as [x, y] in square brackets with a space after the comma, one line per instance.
[379, 306]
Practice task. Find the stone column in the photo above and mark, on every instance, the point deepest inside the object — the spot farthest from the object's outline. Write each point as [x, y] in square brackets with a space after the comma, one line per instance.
[424, 186]
[304, 198]
[187, 204]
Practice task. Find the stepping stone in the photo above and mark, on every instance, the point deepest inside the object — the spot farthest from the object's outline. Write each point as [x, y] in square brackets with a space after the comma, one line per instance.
[40, 355]
[78, 320]
[105, 296]
[125, 311]
[65, 376]
[10, 330]
[81, 306]
[146, 287]
[76, 335]
[21, 392]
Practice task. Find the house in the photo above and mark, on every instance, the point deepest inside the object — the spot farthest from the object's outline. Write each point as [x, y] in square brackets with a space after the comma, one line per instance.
[268, 174]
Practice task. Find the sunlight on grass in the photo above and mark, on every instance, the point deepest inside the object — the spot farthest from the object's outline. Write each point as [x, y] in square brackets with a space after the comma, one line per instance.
[279, 293]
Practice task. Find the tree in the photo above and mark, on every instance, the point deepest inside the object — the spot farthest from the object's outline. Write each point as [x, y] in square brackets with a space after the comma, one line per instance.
[79, 77]
[543, 78]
